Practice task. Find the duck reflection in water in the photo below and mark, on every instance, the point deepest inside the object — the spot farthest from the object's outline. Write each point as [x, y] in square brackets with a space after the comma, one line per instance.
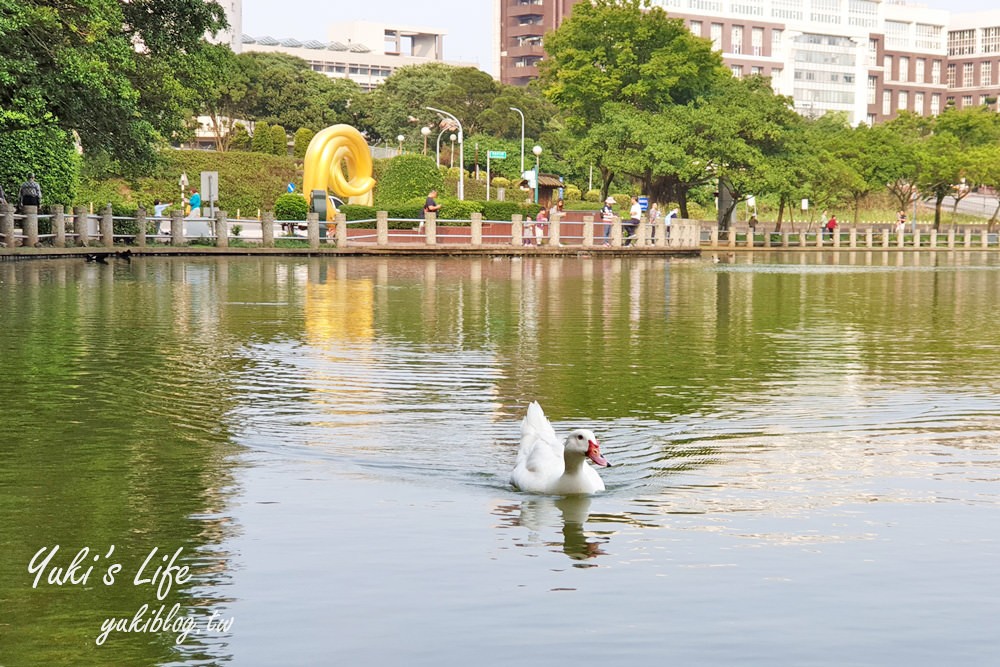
[568, 513]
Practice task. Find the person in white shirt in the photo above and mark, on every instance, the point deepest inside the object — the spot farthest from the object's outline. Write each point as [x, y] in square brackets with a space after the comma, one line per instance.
[158, 210]
[634, 213]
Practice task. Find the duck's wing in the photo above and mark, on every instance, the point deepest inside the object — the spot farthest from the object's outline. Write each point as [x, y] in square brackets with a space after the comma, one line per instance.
[540, 450]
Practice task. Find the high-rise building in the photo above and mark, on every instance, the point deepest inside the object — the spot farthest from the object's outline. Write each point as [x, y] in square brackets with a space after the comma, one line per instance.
[517, 40]
[973, 71]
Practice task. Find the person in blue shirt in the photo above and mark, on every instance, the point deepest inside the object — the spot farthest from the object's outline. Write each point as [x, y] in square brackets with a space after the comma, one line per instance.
[195, 203]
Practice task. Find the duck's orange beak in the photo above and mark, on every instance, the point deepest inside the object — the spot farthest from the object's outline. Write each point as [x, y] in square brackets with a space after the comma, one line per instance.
[594, 454]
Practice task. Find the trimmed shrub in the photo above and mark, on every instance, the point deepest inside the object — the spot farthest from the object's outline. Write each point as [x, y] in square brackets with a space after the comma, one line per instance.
[500, 210]
[456, 209]
[500, 182]
[406, 177]
[572, 193]
[291, 206]
[279, 140]
[262, 141]
[357, 212]
[531, 209]
[303, 136]
[592, 195]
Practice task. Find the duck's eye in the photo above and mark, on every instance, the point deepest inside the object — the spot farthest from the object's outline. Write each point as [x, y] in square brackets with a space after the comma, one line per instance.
[579, 437]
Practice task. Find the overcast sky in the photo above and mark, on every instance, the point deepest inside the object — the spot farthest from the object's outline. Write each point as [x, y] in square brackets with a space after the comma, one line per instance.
[468, 23]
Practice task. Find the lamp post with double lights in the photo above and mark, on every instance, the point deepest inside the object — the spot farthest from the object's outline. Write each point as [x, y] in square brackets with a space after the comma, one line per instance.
[461, 151]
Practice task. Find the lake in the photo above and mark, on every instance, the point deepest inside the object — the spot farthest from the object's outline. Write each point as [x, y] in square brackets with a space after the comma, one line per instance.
[304, 461]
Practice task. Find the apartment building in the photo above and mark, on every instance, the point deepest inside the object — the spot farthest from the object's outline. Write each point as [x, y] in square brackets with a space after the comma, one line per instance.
[973, 69]
[866, 58]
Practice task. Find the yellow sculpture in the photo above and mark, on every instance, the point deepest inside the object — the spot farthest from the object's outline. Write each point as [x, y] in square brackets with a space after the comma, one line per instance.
[338, 160]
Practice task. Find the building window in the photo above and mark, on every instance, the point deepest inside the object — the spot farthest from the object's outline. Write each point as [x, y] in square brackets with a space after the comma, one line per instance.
[695, 28]
[886, 102]
[982, 100]
[715, 34]
[872, 51]
[736, 39]
[737, 71]
[918, 69]
[991, 40]
[935, 104]
[756, 70]
[961, 42]
[757, 41]
[897, 35]
[871, 119]
[966, 101]
[936, 71]
[950, 81]
[904, 68]
[986, 73]
[968, 78]
[918, 103]
[887, 67]
[872, 85]
[929, 36]
[776, 39]
[904, 101]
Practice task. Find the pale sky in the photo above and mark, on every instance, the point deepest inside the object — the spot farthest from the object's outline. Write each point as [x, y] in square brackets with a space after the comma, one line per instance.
[468, 23]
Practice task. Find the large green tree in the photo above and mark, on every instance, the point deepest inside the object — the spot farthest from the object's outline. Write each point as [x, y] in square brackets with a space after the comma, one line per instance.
[109, 70]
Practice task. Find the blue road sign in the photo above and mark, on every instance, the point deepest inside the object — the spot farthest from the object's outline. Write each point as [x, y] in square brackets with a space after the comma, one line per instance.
[644, 203]
[291, 187]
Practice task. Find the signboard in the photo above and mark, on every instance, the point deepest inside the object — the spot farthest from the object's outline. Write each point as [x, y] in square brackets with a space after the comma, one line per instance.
[291, 187]
[209, 191]
[644, 203]
[497, 155]
[805, 204]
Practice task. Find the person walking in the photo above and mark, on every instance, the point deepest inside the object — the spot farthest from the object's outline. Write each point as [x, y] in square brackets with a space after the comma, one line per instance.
[195, 203]
[634, 213]
[608, 217]
[654, 216]
[831, 225]
[430, 206]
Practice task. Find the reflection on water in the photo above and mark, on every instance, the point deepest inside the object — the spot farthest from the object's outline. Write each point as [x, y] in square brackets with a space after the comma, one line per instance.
[329, 441]
[540, 515]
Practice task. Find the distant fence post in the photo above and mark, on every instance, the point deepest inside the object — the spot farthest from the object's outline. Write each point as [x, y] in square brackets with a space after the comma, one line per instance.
[30, 226]
[7, 225]
[267, 229]
[554, 230]
[951, 238]
[312, 229]
[382, 228]
[588, 231]
[984, 238]
[221, 229]
[176, 228]
[58, 226]
[516, 230]
[476, 228]
[140, 223]
[430, 228]
[968, 237]
[107, 227]
[660, 233]
[341, 220]
[713, 237]
[80, 226]
[885, 238]
[933, 238]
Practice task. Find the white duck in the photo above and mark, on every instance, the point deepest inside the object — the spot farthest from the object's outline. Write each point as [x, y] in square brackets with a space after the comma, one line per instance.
[545, 465]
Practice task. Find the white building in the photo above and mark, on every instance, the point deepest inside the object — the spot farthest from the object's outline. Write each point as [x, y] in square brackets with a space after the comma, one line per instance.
[364, 52]
[973, 72]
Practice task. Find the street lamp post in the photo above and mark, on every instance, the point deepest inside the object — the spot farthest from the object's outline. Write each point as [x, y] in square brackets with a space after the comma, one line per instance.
[451, 162]
[440, 134]
[521, 113]
[461, 151]
[537, 150]
[425, 131]
[400, 139]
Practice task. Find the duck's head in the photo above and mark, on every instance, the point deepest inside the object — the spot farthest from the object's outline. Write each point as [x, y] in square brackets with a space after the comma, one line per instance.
[584, 442]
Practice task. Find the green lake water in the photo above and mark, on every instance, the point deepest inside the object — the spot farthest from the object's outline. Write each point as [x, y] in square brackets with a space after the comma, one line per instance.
[806, 452]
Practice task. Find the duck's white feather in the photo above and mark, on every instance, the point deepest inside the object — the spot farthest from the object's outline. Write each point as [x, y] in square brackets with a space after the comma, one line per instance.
[541, 460]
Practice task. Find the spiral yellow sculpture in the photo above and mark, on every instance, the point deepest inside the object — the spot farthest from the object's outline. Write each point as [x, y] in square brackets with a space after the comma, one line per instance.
[338, 160]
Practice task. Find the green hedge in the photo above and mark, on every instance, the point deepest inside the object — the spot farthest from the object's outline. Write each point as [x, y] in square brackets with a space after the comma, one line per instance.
[406, 177]
[28, 147]
[291, 206]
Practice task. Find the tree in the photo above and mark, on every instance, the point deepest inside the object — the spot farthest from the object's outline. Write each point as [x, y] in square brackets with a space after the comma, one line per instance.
[109, 70]
[303, 136]
[45, 150]
[263, 141]
[279, 140]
